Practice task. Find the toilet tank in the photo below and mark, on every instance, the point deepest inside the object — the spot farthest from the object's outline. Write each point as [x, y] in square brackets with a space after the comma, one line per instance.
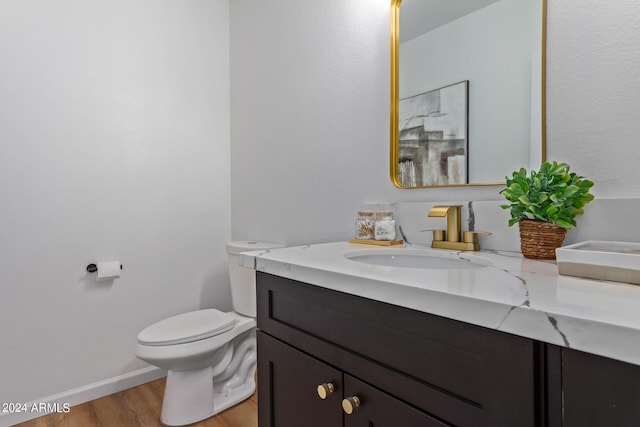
[243, 279]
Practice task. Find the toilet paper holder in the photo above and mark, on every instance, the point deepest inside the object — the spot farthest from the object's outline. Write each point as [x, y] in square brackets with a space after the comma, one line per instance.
[92, 268]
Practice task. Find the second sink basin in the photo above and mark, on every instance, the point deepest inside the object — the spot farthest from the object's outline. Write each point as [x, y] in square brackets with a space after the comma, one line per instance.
[417, 258]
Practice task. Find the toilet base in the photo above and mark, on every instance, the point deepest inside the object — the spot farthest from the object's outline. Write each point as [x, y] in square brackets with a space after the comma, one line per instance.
[194, 395]
[188, 397]
[180, 409]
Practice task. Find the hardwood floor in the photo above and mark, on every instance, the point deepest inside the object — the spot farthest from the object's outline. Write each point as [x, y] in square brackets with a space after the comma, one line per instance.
[140, 406]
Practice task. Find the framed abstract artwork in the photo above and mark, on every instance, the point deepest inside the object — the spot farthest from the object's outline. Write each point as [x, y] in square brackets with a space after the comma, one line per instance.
[433, 137]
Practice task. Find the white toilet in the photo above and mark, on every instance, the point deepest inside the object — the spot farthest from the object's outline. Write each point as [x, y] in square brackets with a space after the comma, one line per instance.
[210, 355]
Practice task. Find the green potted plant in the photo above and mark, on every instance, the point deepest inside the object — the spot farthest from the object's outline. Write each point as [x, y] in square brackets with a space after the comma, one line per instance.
[545, 203]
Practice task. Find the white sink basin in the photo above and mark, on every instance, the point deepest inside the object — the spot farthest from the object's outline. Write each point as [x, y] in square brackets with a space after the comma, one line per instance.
[417, 258]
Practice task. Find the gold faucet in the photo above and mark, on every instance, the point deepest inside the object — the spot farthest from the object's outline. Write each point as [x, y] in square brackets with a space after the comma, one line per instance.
[455, 239]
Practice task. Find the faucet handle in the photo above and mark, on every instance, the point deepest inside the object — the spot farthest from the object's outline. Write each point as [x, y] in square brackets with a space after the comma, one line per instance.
[437, 234]
[472, 236]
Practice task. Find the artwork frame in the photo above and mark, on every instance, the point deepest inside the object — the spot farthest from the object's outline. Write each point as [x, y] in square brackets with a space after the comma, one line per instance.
[433, 131]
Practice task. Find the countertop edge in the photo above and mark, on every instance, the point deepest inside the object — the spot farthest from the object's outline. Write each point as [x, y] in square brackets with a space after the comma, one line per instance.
[531, 316]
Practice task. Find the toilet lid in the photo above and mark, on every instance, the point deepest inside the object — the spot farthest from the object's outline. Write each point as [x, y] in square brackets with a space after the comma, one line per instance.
[187, 327]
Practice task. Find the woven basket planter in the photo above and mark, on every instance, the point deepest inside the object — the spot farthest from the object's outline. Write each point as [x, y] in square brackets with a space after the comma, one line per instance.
[539, 240]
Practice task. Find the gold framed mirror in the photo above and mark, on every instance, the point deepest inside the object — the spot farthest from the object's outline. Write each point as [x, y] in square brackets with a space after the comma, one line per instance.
[468, 82]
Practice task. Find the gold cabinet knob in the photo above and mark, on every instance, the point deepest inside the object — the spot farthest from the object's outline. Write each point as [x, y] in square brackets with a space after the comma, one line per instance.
[325, 390]
[350, 404]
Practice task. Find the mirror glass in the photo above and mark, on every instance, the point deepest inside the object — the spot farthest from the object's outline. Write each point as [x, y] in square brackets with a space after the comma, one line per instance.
[467, 90]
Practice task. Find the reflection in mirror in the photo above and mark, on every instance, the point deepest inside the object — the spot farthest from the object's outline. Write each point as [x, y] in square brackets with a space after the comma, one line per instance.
[428, 155]
[496, 49]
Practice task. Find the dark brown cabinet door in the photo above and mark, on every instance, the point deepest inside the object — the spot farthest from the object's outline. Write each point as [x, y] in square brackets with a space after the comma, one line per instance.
[288, 381]
[598, 391]
[462, 374]
[378, 409]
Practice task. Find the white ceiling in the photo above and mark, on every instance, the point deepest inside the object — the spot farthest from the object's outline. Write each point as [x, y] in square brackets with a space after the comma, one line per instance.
[420, 16]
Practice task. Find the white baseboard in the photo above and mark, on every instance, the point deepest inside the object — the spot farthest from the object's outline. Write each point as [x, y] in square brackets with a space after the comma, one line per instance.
[63, 401]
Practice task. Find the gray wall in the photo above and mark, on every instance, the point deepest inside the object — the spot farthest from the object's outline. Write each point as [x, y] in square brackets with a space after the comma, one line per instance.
[310, 115]
[114, 130]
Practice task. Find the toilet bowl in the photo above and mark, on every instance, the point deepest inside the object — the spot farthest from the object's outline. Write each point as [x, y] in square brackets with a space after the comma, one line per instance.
[210, 355]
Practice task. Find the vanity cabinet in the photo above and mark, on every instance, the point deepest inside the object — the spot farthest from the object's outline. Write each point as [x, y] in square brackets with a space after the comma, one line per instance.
[588, 390]
[407, 368]
[294, 378]
[291, 378]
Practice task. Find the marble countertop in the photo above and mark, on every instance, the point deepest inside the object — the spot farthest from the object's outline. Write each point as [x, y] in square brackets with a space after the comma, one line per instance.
[516, 295]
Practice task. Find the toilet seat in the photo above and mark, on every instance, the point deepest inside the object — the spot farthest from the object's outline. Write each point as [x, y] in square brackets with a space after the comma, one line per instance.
[187, 327]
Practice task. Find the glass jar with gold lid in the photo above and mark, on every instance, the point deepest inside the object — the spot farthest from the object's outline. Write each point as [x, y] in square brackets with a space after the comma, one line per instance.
[385, 226]
[365, 225]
